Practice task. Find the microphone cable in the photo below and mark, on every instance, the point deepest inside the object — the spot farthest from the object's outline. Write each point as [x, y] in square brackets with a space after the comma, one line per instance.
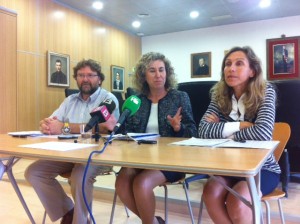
[85, 173]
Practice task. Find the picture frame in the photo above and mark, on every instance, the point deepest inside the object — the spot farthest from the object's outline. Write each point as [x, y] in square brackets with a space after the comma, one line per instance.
[283, 58]
[201, 65]
[117, 78]
[58, 69]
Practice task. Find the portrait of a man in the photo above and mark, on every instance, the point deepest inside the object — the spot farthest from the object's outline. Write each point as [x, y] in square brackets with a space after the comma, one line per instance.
[58, 69]
[118, 84]
[58, 76]
[203, 68]
[200, 65]
[284, 58]
[117, 78]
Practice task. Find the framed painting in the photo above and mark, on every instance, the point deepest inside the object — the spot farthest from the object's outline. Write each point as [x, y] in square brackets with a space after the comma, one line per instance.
[283, 58]
[201, 65]
[117, 78]
[58, 69]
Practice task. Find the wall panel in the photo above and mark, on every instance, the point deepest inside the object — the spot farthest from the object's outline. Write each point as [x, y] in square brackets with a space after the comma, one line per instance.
[40, 30]
[8, 71]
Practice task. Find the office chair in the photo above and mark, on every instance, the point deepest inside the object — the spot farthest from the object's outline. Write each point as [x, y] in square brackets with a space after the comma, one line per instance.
[120, 99]
[129, 92]
[69, 91]
[281, 133]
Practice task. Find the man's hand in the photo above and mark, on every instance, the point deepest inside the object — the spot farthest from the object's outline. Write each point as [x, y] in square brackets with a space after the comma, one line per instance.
[175, 121]
[51, 126]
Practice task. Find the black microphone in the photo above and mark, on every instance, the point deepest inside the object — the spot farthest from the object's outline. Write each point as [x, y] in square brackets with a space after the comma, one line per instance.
[130, 107]
[100, 114]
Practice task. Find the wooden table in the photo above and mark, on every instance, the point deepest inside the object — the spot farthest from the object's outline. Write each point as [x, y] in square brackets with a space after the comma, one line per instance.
[206, 160]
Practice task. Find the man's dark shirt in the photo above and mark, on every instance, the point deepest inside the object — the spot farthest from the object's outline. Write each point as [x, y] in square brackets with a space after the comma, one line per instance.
[58, 77]
[202, 70]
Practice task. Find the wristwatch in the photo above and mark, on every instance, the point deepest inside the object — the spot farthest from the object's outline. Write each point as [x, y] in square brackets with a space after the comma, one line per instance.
[66, 128]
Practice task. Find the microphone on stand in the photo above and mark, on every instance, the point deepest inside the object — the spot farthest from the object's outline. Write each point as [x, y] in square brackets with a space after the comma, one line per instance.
[129, 108]
[101, 113]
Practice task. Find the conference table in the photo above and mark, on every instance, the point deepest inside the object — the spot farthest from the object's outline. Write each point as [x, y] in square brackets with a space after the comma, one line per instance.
[240, 162]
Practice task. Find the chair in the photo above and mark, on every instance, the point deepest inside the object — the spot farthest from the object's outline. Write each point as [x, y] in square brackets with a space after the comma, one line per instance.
[281, 133]
[69, 91]
[129, 92]
[120, 99]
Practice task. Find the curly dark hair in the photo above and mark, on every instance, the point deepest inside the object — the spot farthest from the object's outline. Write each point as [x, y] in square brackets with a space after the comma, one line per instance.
[141, 67]
[95, 67]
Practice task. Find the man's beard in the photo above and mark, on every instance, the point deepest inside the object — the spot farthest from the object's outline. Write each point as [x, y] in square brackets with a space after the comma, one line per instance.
[89, 91]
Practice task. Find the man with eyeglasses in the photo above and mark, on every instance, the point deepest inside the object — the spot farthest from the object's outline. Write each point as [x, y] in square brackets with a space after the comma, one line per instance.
[74, 110]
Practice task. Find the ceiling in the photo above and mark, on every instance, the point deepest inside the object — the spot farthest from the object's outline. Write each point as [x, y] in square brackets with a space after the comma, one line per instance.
[167, 16]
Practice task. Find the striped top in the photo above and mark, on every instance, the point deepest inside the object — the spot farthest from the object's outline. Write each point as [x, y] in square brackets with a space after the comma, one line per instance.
[261, 130]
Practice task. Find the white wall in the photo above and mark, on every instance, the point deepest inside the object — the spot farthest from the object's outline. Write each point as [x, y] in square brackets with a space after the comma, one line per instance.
[179, 46]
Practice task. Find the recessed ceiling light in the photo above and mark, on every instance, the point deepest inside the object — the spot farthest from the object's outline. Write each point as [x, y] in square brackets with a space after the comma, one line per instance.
[194, 14]
[140, 34]
[136, 24]
[98, 5]
[264, 3]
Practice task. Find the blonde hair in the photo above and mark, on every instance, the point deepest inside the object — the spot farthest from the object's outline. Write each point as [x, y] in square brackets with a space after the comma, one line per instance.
[255, 91]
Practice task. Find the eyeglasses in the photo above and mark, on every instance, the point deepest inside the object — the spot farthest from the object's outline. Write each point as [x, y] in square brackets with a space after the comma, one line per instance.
[88, 76]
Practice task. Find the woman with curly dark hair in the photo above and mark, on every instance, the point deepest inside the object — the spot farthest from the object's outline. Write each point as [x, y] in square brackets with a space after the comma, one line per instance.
[164, 110]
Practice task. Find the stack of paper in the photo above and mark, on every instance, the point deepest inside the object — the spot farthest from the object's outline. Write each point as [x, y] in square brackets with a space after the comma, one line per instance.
[229, 143]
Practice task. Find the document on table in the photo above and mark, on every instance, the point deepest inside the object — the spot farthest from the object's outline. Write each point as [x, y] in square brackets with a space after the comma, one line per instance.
[229, 143]
[58, 146]
[26, 134]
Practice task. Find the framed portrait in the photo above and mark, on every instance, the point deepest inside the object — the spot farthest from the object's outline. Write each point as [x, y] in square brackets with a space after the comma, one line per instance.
[283, 58]
[58, 69]
[201, 65]
[117, 78]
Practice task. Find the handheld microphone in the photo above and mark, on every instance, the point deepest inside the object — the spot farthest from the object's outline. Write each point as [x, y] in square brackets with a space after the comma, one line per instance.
[129, 108]
[100, 114]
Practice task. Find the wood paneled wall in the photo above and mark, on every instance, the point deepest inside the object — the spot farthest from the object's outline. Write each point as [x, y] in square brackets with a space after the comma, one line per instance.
[41, 29]
[8, 71]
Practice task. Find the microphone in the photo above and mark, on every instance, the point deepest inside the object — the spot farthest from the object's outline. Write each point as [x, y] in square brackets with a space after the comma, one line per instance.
[129, 108]
[100, 114]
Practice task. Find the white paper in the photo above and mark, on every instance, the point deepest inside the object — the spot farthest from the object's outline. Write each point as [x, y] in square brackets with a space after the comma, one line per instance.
[58, 146]
[201, 142]
[227, 143]
[26, 133]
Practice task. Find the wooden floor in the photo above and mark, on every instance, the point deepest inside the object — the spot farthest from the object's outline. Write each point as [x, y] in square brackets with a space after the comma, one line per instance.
[12, 211]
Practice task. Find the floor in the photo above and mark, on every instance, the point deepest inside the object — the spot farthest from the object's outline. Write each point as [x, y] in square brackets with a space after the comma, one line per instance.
[12, 211]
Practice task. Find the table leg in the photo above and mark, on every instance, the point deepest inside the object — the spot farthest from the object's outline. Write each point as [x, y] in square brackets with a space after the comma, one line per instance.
[13, 181]
[254, 192]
